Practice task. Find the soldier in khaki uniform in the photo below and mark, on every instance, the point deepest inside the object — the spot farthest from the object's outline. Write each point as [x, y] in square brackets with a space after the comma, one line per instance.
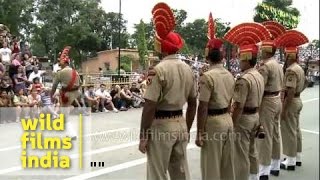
[215, 127]
[70, 84]
[171, 83]
[247, 98]
[294, 83]
[269, 113]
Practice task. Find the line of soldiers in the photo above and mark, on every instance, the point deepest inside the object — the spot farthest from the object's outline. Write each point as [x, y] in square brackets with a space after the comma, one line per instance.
[238, 122]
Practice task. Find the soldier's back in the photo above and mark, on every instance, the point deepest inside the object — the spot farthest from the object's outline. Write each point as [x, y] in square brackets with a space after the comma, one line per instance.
[295, 70]
[177, 82]
[275, 76]
[256, 87]
[221, 83]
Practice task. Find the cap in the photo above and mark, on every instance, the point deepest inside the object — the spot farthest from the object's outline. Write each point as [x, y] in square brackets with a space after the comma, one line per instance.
[247, 52]
[166, 41]
[246, 36]
[290, 41]
[64, 57]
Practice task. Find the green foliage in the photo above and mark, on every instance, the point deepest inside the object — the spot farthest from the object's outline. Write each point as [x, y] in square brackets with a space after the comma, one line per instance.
[315, 42]
[142, 44]
[277, 10]
[17, 15]
[126, 62]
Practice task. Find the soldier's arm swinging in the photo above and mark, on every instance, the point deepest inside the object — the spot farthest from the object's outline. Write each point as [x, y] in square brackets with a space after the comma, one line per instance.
[191, 112]
[148, 112]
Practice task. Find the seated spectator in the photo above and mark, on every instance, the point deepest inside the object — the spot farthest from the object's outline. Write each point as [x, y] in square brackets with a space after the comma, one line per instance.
[26, 61]
[20, 80]
[47, 105]
[36, 85]
[21, 102]
[2, 69]
[6, 85]
[137, 95]
[34, 102]
[36, 73]
[15, 46]
[5, 103]
[5, 54]
[116, 98]
[105, 99]
[5, 99]
[126, 96]
[92, 99]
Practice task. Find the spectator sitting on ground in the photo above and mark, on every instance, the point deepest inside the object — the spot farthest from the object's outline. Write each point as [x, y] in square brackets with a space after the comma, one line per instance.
[137, 95]
[105, 99]
[34, 102]
[116, 98]
[126, 96]
[26, 61]
[92, 99]
[21, 102]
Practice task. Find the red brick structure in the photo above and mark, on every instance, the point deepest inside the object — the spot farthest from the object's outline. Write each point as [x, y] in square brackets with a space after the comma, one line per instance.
[110, 58]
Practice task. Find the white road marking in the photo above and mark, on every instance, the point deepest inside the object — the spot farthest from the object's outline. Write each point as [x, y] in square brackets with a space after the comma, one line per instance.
[309, 131]
[96, 151]
[115, 168]
[310, 100]
[87, 135]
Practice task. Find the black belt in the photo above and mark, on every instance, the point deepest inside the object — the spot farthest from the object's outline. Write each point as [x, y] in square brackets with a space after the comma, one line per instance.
[250, 110]
[266, 93]
[297, 95]
[212, 112]
[70, 90]
[167, 114]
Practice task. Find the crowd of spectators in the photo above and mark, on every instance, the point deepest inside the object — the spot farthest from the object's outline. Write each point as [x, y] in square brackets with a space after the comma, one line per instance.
[20, 81]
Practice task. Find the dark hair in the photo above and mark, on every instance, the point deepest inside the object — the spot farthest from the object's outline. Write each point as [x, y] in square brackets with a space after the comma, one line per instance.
[36, 78]
[253, 61]
[215, 55]
[102, 85]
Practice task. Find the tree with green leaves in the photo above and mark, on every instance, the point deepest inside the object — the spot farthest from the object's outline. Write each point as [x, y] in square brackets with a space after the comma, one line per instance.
[277, 10]
[142, 44]
[18, 16]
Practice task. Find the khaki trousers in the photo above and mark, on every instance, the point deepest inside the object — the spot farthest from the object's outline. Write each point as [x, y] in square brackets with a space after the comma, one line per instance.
[269, 147]
[167, 150]
[245, 157]
[217, 151]
[290, 129]
[71, 97]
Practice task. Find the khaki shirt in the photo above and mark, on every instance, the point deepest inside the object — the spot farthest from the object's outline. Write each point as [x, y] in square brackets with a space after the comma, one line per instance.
[272, 73]
[295, 78]
[249, 89]
[64, 77]
[216, 87]
[170, 84]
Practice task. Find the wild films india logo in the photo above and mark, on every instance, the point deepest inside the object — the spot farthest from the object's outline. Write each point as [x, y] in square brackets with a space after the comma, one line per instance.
[33, 139]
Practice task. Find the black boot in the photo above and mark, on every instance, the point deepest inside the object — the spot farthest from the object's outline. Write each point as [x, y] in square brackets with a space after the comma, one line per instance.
[275, 172]
[264, 177]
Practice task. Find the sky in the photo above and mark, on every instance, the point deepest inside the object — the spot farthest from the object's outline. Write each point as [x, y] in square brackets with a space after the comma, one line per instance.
[233, 11]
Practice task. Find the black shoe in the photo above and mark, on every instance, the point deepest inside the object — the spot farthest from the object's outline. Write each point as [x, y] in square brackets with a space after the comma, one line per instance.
[264, 177]
[298, 163]
[289, 168]
[275, 172]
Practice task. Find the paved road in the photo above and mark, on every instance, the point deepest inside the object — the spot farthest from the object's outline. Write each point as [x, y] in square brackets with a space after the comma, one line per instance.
[114, 140]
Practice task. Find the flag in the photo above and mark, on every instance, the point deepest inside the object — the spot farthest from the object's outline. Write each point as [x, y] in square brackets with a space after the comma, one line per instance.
[211, 27]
